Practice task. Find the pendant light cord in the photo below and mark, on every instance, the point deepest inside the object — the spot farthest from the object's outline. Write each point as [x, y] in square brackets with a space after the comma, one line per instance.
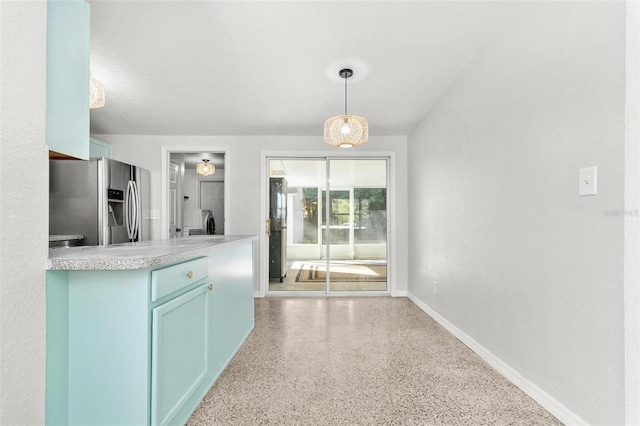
[345, 95]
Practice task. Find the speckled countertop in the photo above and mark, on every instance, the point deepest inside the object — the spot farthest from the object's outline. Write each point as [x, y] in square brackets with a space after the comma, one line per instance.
[55, 238]
[145, 254]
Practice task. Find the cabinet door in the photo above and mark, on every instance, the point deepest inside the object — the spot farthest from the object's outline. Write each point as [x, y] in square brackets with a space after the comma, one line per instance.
[232, 310]
[179, 352]
[99, 149]
[68, 39]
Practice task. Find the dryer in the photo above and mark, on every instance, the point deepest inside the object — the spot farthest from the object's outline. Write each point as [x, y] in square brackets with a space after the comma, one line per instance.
[208, 222]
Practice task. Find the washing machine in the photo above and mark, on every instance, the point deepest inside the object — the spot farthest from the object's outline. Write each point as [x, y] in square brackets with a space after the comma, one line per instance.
[208, 223]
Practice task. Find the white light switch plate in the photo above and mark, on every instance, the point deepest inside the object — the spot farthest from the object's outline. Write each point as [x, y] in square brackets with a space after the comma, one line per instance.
[588, 181]
[152, 214]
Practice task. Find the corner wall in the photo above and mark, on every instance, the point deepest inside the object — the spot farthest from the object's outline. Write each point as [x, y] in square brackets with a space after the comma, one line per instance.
[24, 221]
[502, 250]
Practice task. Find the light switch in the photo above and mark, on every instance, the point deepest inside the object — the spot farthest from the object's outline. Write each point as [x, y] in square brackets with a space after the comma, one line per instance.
[588, 181]
[152, 214]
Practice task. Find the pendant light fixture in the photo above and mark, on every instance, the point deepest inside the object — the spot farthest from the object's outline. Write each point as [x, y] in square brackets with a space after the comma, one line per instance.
[346, 131]
[96, 93]
[205, 168]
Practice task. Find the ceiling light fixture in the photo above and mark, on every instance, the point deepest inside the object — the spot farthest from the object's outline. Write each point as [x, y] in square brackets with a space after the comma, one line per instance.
[96, 93]
[346, 131]
[205, 168]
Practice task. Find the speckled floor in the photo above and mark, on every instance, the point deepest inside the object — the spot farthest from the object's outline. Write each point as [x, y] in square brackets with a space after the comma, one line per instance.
[359, 361]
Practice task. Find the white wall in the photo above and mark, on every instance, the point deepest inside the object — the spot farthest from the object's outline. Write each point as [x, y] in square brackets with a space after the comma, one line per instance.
[526, 272]
[632, 224]
[242, 170]
[24, 198]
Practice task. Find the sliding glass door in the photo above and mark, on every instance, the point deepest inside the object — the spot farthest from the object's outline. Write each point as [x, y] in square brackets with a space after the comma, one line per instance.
[335, 231]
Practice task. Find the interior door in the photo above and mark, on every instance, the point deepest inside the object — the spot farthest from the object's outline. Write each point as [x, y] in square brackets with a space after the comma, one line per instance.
[174, 170]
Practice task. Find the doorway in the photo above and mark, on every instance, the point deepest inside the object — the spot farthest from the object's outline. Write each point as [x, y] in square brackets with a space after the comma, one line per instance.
[194, 203]
[327, 223]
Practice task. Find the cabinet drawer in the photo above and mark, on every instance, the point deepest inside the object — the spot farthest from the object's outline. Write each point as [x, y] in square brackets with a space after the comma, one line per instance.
[172, 278]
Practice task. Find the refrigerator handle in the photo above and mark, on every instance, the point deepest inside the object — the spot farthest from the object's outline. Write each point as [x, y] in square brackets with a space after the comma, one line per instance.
[137, 210]
[129, 207]
[127, 220]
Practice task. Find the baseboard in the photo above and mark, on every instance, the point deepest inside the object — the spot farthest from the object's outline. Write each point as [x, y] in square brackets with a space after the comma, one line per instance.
[257, 295]
[399, 293]
[560, 411]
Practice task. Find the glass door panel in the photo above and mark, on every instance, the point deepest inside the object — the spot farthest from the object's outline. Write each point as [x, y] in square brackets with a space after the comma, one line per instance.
[335, 229]
[357, 243]
[294, 244]
[339, 216]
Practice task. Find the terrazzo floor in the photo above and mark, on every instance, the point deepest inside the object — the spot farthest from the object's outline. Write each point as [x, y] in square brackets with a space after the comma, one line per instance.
[359, 361]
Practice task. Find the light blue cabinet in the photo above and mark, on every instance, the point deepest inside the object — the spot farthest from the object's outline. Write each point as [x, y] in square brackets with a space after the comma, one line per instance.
[99, 149]
[230, 289]
[143, 347]
[231, 315]
[179, 352]
[68, 40]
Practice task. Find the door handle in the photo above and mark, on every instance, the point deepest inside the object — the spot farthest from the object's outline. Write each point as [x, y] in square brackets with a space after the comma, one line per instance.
[269, 227]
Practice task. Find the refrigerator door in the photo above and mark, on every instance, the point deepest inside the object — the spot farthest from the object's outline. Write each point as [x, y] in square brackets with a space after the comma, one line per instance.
[73, 199]
[143, 183]
[115, 179]
[131, 207]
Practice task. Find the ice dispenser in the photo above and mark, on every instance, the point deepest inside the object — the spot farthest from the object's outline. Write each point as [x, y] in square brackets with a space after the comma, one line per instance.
[115, 200]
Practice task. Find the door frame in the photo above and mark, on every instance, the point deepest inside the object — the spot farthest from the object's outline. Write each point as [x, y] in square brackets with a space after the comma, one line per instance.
[170, 211]
[166, 156]
[263, 242]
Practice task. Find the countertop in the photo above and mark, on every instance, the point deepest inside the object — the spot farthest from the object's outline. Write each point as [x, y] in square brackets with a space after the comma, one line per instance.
[140, 255]
[55, 238]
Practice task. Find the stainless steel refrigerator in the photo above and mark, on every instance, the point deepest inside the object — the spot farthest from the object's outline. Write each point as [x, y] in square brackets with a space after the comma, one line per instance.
[105, 200]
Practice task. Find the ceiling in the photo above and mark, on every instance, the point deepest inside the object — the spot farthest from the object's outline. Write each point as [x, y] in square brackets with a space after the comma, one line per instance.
[191, 159]
[271, 67]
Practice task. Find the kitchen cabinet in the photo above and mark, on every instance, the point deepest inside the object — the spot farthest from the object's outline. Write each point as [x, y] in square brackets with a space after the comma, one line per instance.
[68, 40]
[230, 291]
[178, 352]
[99, 149]
[144, 346]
